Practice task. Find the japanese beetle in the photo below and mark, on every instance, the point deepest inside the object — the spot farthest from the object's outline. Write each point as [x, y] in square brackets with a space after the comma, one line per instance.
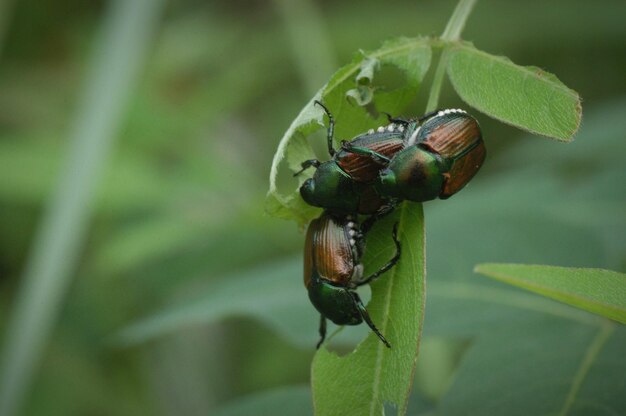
[343, 184]
[445, 153]
[333, 270]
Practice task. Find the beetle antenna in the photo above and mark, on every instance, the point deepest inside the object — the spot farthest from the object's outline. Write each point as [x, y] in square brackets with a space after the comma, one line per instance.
[428, 115]
[331, 129]
[307, 164]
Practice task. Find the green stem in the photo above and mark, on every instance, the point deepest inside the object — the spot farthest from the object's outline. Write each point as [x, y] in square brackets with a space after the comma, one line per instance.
[435, 88]
[456, 24]
[452, 33]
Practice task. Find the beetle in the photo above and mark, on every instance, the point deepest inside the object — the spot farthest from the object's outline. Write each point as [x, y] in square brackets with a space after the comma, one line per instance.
[443, 155]
[343, 184]
[333, 269]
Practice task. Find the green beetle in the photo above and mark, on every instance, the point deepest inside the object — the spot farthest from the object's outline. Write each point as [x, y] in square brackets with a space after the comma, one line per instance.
[442, 156]
[344, 183]
[333, 270]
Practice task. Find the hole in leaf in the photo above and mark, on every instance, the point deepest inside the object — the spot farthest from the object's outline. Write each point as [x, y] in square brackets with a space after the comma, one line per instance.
[389, 77]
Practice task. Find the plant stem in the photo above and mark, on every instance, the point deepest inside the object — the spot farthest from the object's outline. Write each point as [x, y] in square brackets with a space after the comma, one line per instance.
[124, 37]
[435, 88]
[452, 33]
[456, 24]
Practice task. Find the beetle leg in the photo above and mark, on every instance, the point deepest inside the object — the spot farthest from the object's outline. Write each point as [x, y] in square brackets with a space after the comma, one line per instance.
[307, 164]
[389, 264]
[366, 317]
[331, 129]
[364, 151]
[322, 331]
[381, 213]
[395, 120]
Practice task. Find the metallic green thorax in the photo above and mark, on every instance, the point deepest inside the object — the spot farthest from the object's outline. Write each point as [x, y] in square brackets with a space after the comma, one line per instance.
[414, 174]
[443, 156]
[335, 303]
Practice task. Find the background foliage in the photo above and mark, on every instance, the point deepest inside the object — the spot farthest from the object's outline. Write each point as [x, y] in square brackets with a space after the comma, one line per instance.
[187, 299]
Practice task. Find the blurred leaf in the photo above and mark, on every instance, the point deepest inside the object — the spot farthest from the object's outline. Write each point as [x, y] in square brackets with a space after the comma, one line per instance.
[287, 401]
[599, 291]
[437, 364]
[74, 380]
[492, 317]
[374, 376]
[30, 166]
[541, 367]
[272, 293]
[148, 240]
[525, 97]
[458, 309]
[544, 204]
[410, 56]
[527, 351]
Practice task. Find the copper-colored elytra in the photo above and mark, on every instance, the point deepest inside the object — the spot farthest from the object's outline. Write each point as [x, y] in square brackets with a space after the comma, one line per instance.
[308, 254]
[463, 170]
[364, 168]
[453, 137]
[330, 252]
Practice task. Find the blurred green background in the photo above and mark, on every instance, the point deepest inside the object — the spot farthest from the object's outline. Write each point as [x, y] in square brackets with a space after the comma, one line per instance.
[178, 216]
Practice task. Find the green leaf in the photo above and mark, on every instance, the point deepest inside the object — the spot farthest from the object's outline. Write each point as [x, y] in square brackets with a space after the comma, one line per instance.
[373, 376]
[353, 83]
[525, 97]
[364, 93]
[602, 292]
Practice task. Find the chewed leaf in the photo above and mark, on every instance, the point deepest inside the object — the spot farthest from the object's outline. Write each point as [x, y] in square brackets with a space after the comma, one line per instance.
[366, 74]
[595, 290]
[290, 147]
[362, 95]
[346, 94]
[525, 97]
[373, 376]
